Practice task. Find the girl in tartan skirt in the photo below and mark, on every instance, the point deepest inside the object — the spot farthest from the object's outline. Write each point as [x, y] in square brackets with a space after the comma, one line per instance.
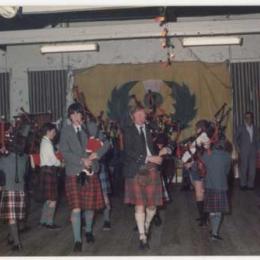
[218, 164]
[199, 146]
[83, 192]
[48, 172]
[12, 204]
[143, 186]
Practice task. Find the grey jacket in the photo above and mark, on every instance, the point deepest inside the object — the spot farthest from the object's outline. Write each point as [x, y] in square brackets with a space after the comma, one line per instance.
[72, 151]
[218, 165]
[242, 140]
[8, 166]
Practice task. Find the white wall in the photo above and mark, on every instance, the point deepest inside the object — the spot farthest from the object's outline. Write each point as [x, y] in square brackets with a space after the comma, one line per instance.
[20, 59]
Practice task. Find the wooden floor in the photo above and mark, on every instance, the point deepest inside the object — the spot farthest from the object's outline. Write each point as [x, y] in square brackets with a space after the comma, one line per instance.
[178, 234]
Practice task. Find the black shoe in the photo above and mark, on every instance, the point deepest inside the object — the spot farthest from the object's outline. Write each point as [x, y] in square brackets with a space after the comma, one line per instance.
[198, 219]
[250, 188]
[106, 226]
[89, 237]
[24, 229]
[148, 234]
[135, 228]
[157, 220]
[203, 222]
[243, 188]
[77, 247]
[10, 241]
[16, 247]
[53, 226]
[143, 245]
[216, 237]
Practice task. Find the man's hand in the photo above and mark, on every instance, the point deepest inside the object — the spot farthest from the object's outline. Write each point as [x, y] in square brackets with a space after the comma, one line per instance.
[86, 162]
[93, 156]
[155, 159]
[164, 151]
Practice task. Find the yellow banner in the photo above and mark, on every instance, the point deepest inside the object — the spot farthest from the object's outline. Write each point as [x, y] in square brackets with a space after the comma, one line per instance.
[194, 90]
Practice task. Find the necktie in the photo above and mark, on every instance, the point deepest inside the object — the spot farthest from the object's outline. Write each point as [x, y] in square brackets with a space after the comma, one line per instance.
[143, 140]
[78, 135]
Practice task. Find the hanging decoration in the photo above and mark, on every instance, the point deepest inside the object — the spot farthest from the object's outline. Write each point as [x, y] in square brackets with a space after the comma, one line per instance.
[166, 42]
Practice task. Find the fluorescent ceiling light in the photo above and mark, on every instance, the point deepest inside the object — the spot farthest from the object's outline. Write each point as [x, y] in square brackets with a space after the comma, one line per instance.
[69, 48]
[211, 40]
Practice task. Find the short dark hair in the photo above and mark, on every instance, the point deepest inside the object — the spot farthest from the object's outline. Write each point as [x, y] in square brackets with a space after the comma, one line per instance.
[48, 127]
[75, 108]
[249, 113]
[203, 124]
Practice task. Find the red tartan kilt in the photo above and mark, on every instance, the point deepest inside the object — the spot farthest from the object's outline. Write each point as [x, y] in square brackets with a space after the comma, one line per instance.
[12, 205]
[49, 182]
[88, 196]
[149, 195]
[216, 201]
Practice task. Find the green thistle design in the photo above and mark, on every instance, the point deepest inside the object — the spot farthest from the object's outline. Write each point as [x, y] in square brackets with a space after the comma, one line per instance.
[184, 105]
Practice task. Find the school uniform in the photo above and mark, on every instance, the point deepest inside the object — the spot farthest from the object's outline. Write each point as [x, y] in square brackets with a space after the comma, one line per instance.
[49, 166]
[13, 204]
[218, 165]
[72, 146]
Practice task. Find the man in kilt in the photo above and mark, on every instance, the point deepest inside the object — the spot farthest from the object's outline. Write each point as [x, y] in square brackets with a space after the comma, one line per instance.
[49, 163]
[83, 192]
[218, 164]
[143, 186]
[12, 204]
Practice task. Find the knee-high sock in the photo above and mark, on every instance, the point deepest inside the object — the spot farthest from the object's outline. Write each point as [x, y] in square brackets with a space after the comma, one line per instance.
[43, 219]
[140, 219]
[50, 215]
[149, 216]
[76, 225]
[106, 214]
[215, 219]
[14, 233]
[89, 216]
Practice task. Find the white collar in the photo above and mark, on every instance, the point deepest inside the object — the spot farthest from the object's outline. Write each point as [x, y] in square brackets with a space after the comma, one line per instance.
[139, 126]
[46, 138]
[76, 128]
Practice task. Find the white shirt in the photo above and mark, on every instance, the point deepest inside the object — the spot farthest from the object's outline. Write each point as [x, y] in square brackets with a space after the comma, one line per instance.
[148, 152]
[47, 155]
[201, 141]
[250, 130]
[76, 128]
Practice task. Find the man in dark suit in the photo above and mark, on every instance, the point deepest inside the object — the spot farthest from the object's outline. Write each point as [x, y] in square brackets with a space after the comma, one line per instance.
[246, 144]
[143, 187]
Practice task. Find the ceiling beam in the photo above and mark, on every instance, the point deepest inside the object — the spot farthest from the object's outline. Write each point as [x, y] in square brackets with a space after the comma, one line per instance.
[138, 30]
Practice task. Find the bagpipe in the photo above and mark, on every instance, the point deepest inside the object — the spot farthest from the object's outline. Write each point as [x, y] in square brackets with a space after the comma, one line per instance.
[93, 145]
[6, 136]
[210, 134]
[24, 135]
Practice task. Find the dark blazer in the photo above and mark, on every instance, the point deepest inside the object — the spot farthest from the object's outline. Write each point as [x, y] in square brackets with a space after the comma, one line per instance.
[218, 165]
[133, 150]
[8, 166]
